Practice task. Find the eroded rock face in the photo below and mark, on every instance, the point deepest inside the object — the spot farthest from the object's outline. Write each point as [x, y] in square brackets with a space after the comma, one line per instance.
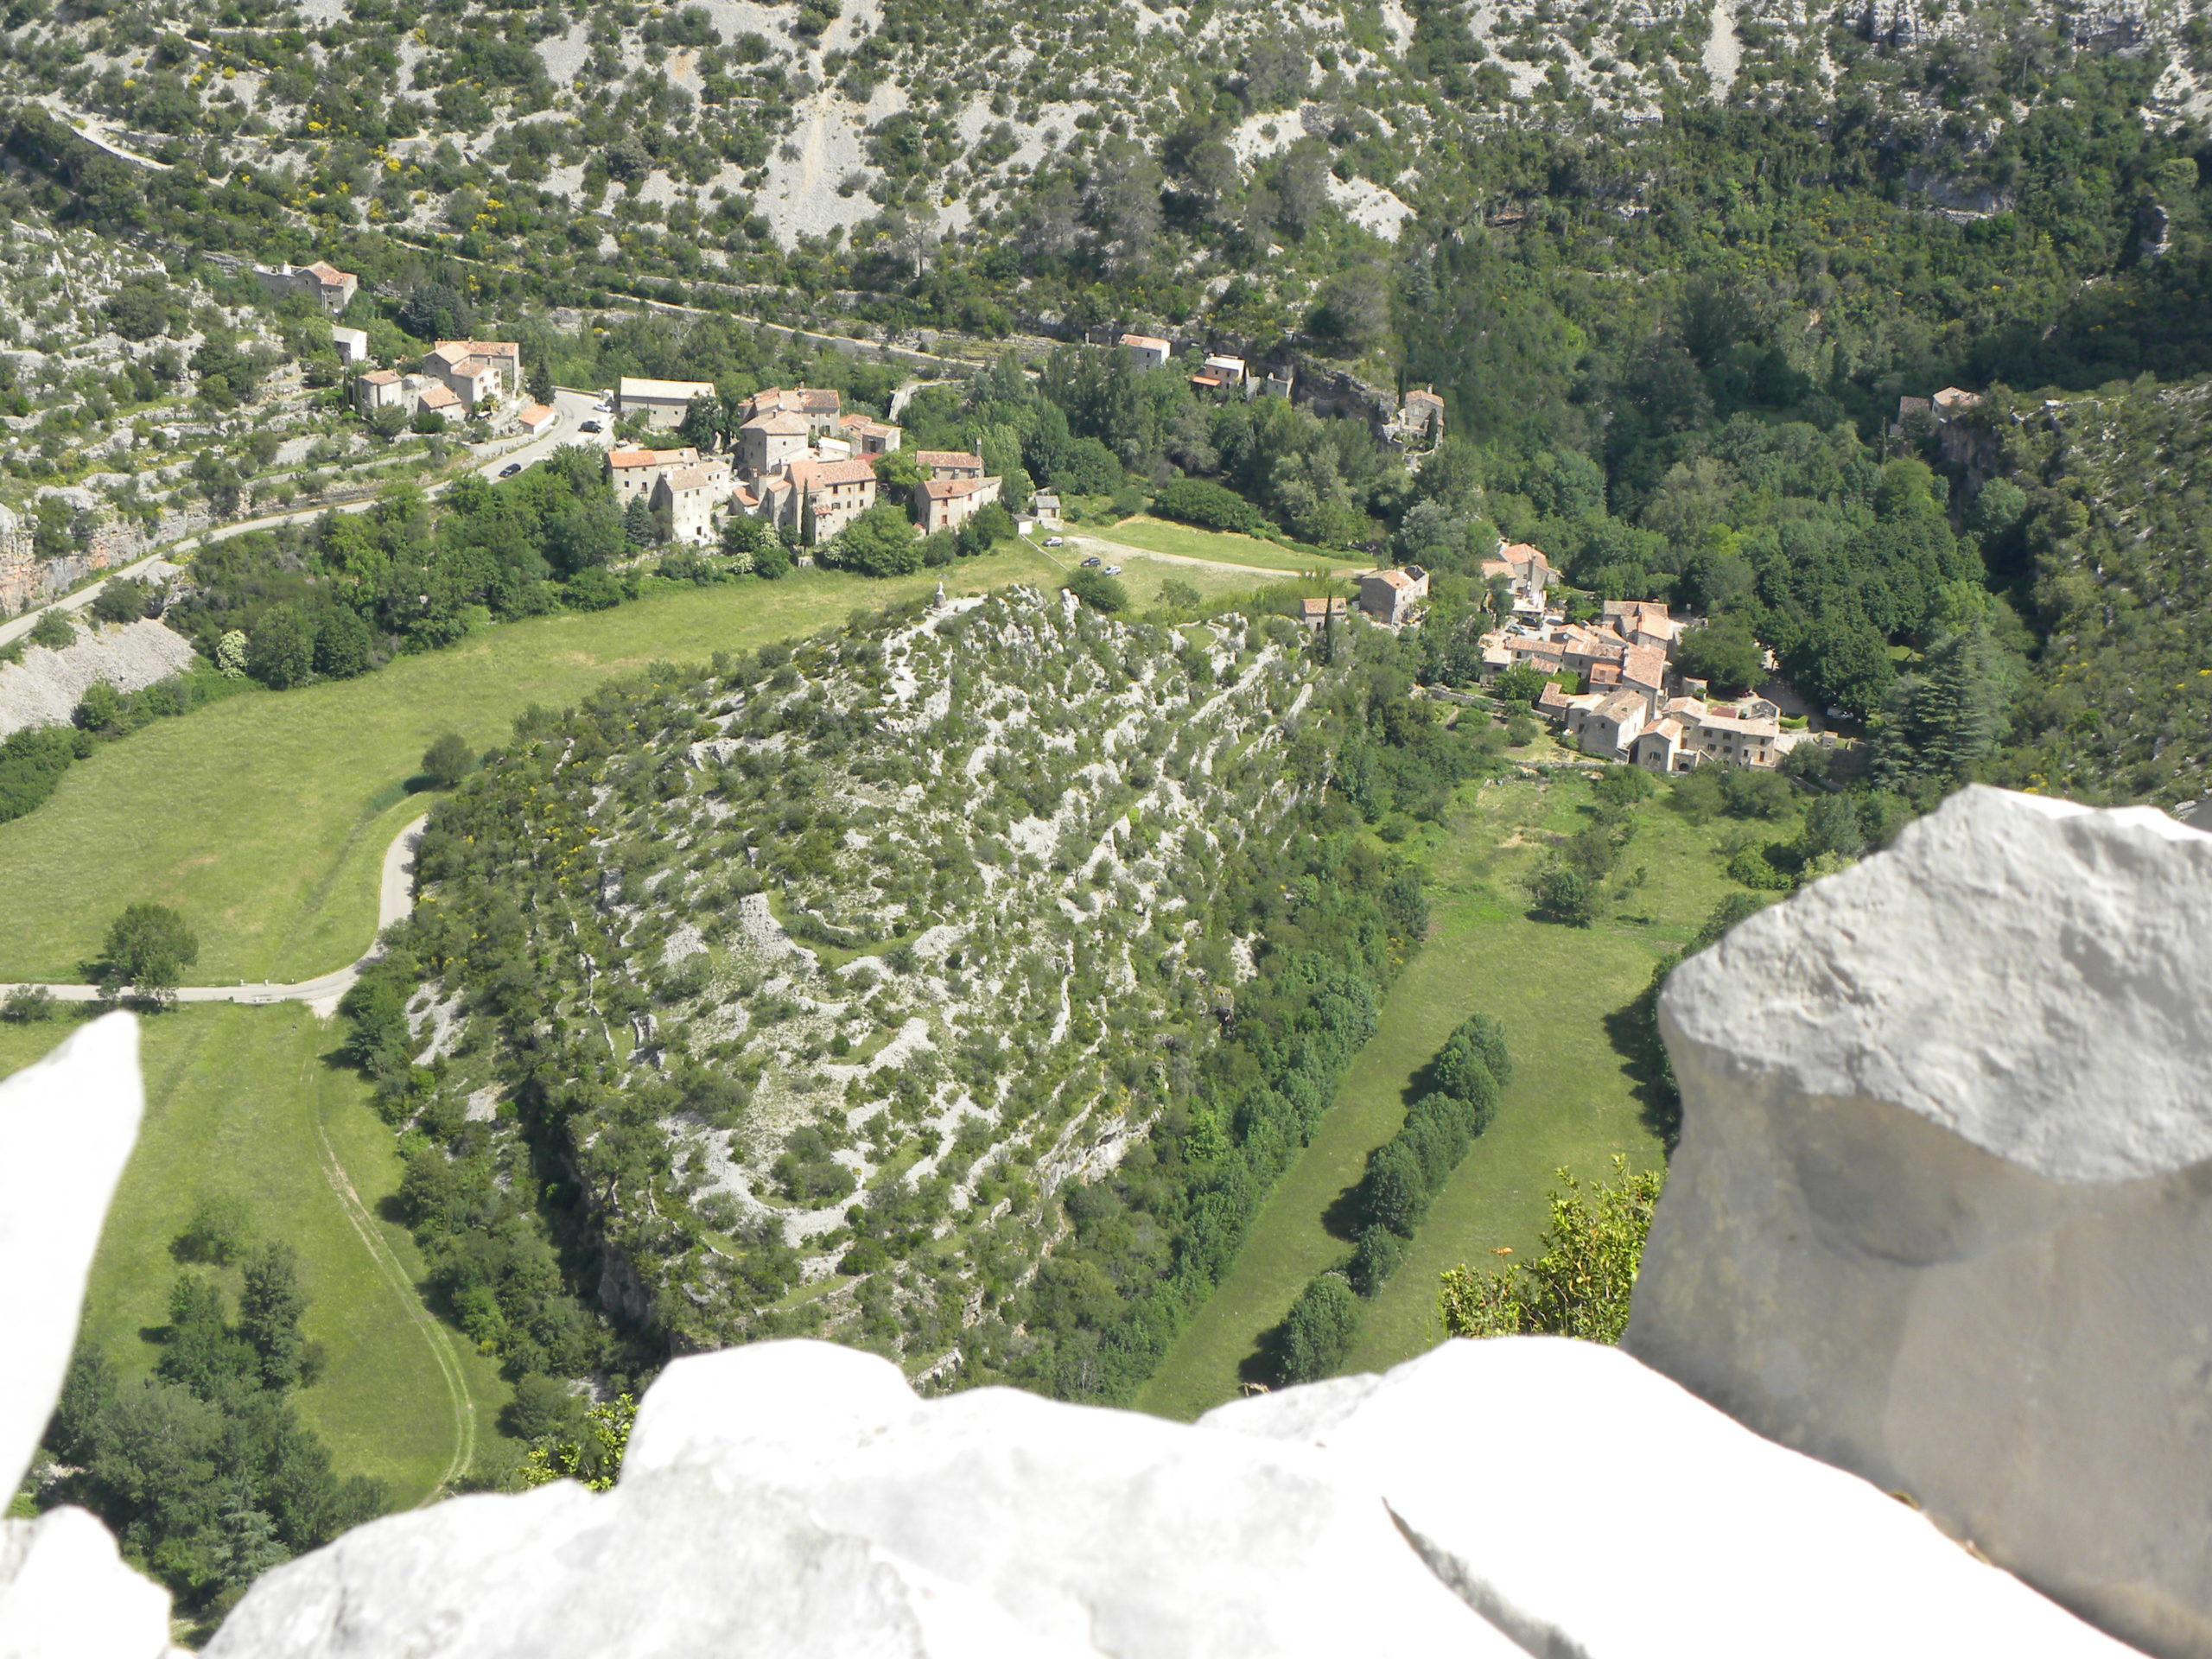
[1942, 1213]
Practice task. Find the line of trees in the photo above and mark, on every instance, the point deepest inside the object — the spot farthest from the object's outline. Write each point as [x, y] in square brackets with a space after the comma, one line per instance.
[1403, 1179]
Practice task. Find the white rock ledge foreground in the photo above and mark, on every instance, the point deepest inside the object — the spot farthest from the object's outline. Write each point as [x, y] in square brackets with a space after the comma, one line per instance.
[1942, 1213]
[1848, 1061]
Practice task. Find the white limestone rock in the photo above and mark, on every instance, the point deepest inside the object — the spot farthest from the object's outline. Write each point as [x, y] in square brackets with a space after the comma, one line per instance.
[1942, 1213]
[64, 1593]
[798, 1498]
[66, 1127]
[1591, 1507]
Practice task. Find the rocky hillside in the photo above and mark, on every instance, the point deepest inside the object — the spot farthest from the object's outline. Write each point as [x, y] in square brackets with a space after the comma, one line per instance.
[2105, 533]
[822, 981]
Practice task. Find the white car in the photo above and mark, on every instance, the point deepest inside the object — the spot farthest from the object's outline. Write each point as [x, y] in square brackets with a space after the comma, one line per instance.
[1056, 541]
[1113, 569]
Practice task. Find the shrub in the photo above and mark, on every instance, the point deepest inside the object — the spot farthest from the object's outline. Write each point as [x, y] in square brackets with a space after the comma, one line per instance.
[1194, 501]
[123, 599]
[772, 562]
[218, 1233]
[1393, 1192]
[54, 630]
[1476, 1041]
[591, 590]
[1563, 893]
[1318, 1332]
[1098, 590]
[447, 761]
[1581, 1284]
[28, 1005]
[281, 653]
[1751, 867]
[1375, 1259]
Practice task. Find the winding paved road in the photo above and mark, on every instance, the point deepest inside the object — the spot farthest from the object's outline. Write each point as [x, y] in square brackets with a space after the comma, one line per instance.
[394, 899]
[571, 410]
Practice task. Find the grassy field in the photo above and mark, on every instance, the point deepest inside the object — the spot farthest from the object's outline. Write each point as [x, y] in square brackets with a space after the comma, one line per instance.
[1573, 1103]
[242, 1102]
[1159, 536]
[262, 818]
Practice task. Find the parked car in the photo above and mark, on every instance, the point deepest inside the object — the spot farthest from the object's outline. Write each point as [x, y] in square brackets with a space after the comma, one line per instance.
[1088, 565]
[1056, 541]
[511, 470]
[591, 426]
[1113, 569]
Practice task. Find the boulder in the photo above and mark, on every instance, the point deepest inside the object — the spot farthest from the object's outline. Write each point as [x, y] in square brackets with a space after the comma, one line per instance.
[64, 1593]
[798, 1498]
[67, 1126]
[1942, 1213]
[1591, 1507]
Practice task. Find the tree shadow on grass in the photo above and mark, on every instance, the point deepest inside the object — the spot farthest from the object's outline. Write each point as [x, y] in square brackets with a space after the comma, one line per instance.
[1634, 1033]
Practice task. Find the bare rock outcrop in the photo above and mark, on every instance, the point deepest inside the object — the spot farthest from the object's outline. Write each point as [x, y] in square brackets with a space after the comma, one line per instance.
[1942, 1213]
[46, 687]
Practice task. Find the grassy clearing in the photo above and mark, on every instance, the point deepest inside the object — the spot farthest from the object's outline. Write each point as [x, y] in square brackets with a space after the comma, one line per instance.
[263, 817]
[1159, 536]
[1573, 1103]
[241, 1102]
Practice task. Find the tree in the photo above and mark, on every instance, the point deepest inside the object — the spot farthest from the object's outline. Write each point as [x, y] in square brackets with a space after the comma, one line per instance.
[639, 527]
[343, 645]
[148, 948]
[1098, 590]
[1581, 1286]
[270, 1306]
[1318, 1331]
[1393, 1192]
[1949, 718]
[1832, 826]
[1353, 310]
[54, 630]
[1563, 893]
[1722, 653]
[387, 422]
[1474, 1059]
[427, 422]
[447, 761]
[282, 653]
[773, 563]
[701, 426]
[881, 542]
[1521, 683]
[139, 309]
[1195, 501]
[217, 1233]
[230, 655]
[436, 311]
[744, 536]
[123, 599]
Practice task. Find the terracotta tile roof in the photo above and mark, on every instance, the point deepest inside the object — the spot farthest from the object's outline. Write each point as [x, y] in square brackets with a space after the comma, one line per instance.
[1150, 342]
[381, 376]
[329, 273]
[439, 396]
[946, 489]
[1645, 665]
[621, 459]
[533, 413]
[776, 423]
[953, 458]
[821, 474]
[689, 478]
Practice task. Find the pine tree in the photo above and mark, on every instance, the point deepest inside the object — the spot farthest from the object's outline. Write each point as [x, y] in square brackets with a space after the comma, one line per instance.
[269, 1308]
[637, 524]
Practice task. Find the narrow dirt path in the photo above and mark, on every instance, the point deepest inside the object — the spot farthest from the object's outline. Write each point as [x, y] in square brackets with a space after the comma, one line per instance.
[394, 1275]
